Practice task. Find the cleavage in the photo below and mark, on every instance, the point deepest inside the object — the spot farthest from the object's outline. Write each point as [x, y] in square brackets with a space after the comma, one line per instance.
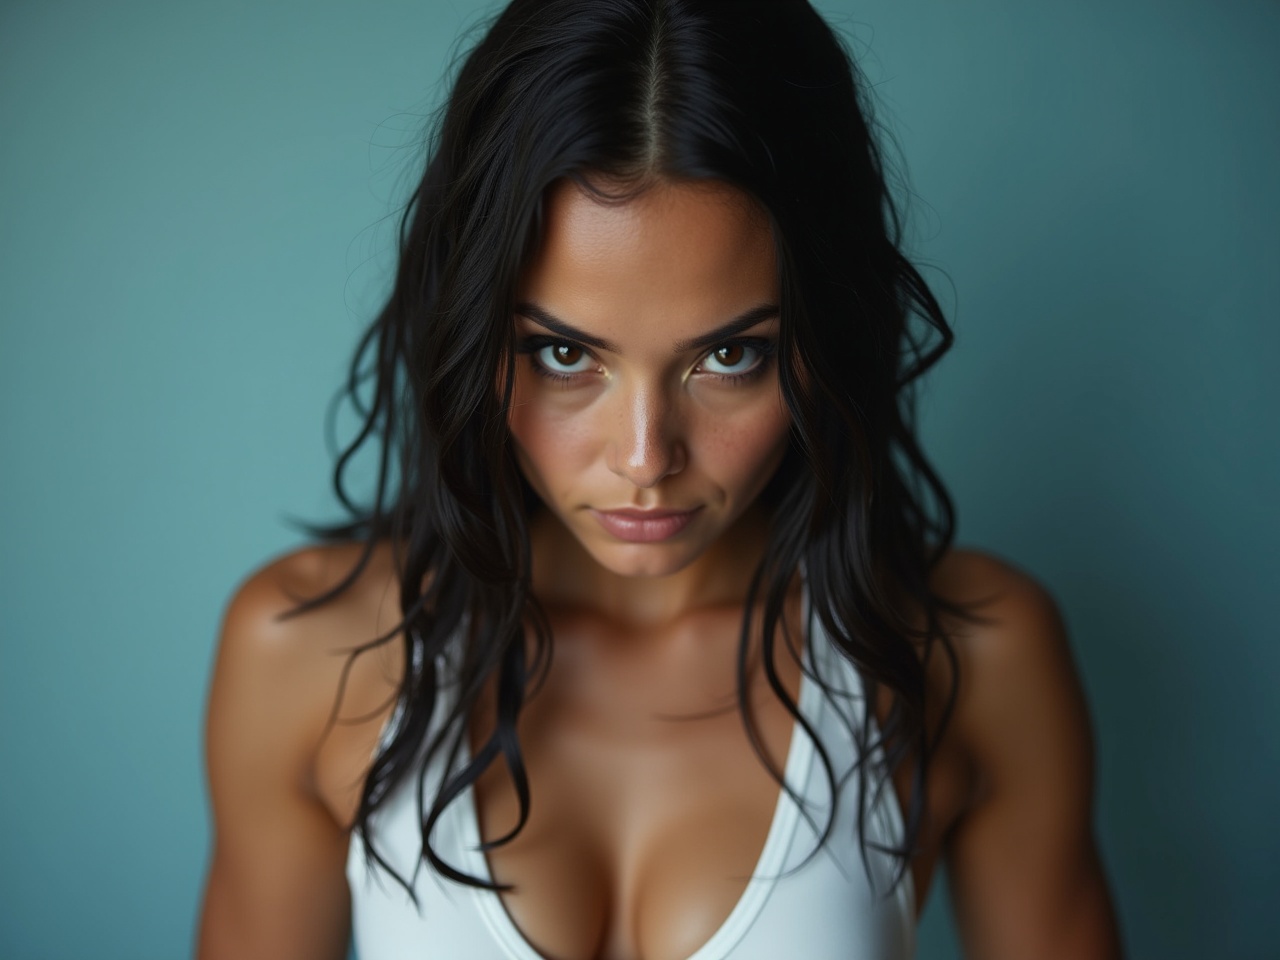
[644, 828]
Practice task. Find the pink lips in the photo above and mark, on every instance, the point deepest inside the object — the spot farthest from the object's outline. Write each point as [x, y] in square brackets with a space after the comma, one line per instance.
[644, 526]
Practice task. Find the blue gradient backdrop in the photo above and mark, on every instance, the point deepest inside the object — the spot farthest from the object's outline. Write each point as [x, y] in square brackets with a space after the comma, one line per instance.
[196, 210]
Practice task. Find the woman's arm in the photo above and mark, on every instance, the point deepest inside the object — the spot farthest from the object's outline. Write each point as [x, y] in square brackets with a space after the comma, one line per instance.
[276, 888]
[1023, 865]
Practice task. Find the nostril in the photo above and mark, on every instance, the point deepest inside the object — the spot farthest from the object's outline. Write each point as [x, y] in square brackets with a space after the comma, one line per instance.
[646, 448]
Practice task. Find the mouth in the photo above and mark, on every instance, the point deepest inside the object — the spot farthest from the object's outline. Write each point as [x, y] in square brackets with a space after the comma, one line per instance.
[644, 526]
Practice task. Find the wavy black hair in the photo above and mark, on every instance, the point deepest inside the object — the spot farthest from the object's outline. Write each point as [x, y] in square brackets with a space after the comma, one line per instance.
[759, 94]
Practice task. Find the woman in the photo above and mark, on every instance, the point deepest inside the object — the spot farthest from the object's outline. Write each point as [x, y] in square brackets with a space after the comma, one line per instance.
[650, 645]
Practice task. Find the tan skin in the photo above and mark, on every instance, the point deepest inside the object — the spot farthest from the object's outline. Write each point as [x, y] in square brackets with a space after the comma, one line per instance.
[637, 818]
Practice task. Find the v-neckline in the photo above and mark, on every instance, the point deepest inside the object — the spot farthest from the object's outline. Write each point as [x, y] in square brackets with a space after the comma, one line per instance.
[777, 842]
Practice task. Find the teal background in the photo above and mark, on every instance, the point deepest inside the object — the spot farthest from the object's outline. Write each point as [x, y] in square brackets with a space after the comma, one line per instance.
[196, 210]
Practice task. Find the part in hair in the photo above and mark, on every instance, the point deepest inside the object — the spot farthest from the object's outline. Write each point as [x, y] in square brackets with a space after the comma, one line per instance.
[617, 95]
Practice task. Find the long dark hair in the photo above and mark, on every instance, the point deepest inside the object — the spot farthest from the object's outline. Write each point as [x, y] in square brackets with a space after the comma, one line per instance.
[758, 94]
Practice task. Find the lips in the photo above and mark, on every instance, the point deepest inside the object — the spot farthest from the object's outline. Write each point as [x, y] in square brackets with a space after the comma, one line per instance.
[644, 526]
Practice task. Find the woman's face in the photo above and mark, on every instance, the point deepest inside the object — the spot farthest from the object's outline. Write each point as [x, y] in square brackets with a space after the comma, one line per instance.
[646, 377]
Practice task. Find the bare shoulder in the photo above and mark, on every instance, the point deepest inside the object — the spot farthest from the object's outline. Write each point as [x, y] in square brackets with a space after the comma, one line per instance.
[1021, 620]
[1027, 879]
[978, 576]
[276, 885]
[264, 600]
[1016, 661]
[280, 667]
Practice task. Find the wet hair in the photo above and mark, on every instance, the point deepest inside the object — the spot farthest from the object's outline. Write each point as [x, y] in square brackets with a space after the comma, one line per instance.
[759, 94]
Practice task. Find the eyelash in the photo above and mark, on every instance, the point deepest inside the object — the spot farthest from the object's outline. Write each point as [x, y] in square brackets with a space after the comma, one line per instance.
[766, 348]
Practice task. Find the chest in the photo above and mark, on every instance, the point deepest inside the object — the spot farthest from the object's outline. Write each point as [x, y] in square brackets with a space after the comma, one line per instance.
[647, 822]
[651, 814]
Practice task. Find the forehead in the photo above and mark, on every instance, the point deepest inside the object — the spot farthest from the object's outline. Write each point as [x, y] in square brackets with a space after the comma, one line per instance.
[672, 261]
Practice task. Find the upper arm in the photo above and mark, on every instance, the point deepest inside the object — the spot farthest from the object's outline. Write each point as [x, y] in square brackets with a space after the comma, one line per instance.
[276, 886]
[1026, 877]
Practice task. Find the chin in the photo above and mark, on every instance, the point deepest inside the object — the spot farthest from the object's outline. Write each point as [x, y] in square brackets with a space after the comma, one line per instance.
[644, 559]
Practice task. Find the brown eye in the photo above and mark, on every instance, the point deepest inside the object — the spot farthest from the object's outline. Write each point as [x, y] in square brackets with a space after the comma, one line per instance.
[733, 359]
[562, 358]
[730, 355]
[566, 354]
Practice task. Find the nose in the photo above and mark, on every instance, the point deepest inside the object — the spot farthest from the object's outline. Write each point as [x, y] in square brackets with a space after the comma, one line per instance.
[647, 446]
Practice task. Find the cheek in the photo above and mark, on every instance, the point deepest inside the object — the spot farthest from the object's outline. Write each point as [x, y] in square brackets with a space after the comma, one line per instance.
[743, 447]
[551, 440]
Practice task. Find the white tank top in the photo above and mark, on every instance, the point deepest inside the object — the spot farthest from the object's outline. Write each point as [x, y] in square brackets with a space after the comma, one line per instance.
[827, 910]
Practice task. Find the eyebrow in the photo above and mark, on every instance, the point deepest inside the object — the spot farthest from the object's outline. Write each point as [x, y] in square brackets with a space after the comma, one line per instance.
[744, 321]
